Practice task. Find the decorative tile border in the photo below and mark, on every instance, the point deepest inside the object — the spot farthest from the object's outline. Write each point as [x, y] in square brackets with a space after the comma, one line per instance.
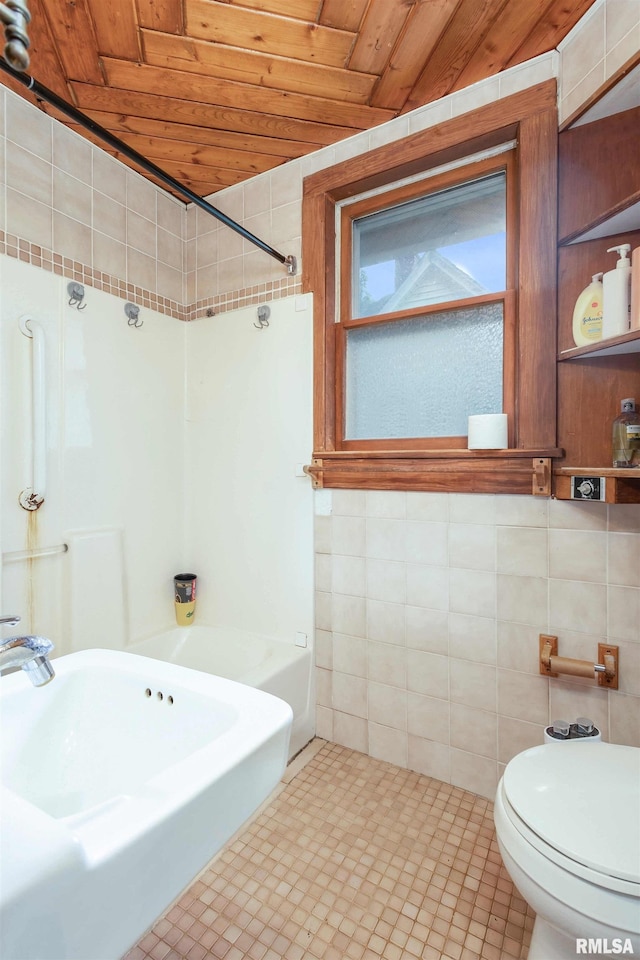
[27, 252]
[249, 296]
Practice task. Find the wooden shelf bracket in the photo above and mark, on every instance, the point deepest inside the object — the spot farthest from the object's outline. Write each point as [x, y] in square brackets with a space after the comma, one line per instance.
[541, 485]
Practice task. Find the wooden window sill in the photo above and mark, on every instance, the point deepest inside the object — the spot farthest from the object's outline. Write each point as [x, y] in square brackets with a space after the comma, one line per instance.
[462, 471]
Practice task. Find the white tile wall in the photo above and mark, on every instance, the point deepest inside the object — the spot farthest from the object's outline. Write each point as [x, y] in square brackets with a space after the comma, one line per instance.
[427, 640]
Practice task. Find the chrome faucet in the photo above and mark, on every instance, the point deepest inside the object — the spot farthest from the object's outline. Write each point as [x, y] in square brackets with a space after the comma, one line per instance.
[30, 653]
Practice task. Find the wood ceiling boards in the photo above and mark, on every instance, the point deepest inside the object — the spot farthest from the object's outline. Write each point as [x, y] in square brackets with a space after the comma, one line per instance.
[216, 91]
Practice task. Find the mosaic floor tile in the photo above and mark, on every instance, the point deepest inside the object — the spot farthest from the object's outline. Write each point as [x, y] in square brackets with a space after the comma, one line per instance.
[353, 858]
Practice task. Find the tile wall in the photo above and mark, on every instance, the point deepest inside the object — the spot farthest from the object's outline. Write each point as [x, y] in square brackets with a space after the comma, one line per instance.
[428, 611]
[270, 204]
[69, 208]
[598, 48]
[72, 201]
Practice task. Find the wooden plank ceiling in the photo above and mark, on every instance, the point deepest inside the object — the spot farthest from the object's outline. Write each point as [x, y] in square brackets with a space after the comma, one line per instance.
[216, 91]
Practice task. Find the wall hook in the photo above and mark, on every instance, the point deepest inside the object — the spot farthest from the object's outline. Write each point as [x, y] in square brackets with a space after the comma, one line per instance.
[76, 295]
[133, 315]
[264, 312]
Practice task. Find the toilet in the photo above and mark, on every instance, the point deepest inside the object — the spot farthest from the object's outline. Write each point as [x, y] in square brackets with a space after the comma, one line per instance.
[568, 825]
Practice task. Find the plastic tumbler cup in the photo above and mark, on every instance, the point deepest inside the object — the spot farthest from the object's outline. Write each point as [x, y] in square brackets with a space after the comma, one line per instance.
[185, 598]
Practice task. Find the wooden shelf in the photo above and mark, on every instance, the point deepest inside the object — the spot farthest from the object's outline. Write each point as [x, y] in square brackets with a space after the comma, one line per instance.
[599, 179]
[626, 343]
[626, 473]
[621, 485]
[623, 220]
[598, 208]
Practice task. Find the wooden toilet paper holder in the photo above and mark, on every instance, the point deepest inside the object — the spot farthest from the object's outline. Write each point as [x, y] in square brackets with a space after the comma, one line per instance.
[605, 671]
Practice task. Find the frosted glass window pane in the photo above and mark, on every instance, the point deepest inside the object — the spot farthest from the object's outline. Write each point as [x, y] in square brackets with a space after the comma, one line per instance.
[446, 246]
[423, 377]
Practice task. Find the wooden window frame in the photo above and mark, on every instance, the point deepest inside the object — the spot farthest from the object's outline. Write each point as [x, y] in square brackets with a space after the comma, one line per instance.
[530, 119]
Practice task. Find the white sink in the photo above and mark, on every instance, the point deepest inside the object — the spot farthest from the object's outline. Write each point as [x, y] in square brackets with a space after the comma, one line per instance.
[121, 778]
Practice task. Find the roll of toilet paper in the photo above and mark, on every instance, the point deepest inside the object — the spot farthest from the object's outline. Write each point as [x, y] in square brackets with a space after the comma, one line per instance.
[487, 431]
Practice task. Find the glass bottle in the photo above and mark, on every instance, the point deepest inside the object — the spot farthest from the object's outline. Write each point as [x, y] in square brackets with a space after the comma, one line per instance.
[626, 435]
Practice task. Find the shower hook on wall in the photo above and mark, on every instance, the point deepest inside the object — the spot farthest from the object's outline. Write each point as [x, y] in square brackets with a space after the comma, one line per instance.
[76, 295]
[264, 312]
[133, 315]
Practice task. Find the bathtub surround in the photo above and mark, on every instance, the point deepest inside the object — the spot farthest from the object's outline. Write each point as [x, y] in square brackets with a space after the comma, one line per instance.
[113, 401]
[154, 451]
[428, 612]
[248, 504]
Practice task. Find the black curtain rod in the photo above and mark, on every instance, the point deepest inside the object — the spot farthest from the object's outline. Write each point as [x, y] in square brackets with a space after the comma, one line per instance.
[43, 93]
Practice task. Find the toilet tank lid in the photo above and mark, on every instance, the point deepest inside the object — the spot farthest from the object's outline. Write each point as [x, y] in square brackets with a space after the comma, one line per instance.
[583, 800]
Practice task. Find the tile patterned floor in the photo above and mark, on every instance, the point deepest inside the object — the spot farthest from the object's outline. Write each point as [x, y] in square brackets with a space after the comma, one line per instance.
[354, 858]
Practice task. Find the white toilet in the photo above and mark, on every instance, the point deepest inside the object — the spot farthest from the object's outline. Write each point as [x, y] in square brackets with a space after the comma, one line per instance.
[568, 825]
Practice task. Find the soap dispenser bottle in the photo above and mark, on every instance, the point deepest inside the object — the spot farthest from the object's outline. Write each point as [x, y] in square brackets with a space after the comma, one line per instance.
[616, 292]
[626, 435]
[587, 314]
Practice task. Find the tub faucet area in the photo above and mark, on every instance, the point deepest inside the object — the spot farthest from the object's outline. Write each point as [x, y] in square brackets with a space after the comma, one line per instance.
[30, 653]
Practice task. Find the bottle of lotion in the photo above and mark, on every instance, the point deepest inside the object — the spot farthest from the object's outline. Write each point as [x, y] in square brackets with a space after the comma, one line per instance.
[587, 315]
[616, 304]
[635, 289]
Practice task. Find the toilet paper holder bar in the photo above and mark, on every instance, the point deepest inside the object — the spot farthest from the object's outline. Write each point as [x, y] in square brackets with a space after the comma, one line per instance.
[605, 671]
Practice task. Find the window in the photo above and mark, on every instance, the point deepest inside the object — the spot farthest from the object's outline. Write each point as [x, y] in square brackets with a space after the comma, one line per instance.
[434, 297]
[426, 310]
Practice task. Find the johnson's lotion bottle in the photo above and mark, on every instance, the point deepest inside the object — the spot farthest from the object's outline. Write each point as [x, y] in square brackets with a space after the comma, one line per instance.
[616, 295]
[635, 289]
[587, 315]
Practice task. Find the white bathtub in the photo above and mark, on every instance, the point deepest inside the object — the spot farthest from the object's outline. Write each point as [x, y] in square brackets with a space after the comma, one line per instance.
[279, 668]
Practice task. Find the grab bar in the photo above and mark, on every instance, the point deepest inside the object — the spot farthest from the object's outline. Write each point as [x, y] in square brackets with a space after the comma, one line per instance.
[15, 556]
[33, 497]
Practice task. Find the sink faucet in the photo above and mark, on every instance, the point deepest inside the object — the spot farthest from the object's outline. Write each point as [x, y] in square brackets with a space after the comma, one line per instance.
[30, 653]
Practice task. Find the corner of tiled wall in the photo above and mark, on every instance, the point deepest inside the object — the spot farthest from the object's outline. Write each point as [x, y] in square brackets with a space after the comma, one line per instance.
[71, 206]
[600, 45]
[428, 612]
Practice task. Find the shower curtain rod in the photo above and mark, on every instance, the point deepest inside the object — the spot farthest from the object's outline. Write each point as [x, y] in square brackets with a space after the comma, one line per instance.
[43, 93]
